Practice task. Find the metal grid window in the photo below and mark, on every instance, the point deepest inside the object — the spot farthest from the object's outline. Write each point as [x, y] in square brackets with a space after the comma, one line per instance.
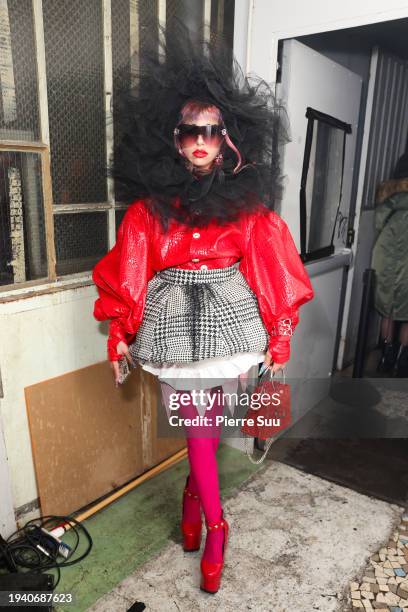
[58, 214]
[19, 117]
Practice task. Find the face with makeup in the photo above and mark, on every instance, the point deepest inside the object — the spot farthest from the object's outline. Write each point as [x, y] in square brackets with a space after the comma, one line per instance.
[199, 148]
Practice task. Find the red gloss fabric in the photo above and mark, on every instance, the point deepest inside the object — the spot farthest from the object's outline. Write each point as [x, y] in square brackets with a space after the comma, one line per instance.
[268, 390]
[260, 240]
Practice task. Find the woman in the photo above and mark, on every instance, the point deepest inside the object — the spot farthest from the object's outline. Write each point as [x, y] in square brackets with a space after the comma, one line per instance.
[390, 262]
[205, 280]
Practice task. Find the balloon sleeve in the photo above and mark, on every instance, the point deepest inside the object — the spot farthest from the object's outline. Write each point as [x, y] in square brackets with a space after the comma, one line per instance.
[274, 271]
[121, 277]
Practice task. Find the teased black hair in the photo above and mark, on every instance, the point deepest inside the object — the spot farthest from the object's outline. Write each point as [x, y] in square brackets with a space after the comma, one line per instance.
[146, 163]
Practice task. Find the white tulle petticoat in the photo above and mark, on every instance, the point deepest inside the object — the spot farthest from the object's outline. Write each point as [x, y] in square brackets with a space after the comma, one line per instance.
[226, 371]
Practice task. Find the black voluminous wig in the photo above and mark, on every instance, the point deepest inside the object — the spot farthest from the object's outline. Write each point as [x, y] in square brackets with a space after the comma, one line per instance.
[152, 90]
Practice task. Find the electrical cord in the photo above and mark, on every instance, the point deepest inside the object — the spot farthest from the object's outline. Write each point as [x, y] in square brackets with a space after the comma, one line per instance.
[29, 548]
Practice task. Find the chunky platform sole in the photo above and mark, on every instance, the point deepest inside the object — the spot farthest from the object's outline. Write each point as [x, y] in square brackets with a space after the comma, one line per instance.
[211, 572]
[191, 537]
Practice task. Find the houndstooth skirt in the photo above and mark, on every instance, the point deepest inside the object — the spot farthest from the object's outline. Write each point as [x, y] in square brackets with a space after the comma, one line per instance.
[191, 315]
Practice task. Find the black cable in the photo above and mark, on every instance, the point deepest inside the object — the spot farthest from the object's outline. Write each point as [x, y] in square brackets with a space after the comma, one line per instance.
[20, 550]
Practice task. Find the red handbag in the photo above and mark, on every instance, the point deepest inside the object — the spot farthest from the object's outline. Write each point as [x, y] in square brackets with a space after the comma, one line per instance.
[269, 412]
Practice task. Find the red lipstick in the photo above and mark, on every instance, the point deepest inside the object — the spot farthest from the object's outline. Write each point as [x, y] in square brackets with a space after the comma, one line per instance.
[198, 153]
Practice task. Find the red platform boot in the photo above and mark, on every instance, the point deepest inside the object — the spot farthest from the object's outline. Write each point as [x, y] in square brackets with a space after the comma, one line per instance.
[210, 571]
[191, 531]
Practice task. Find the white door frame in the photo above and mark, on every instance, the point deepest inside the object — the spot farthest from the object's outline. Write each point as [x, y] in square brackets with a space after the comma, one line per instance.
[262, 43]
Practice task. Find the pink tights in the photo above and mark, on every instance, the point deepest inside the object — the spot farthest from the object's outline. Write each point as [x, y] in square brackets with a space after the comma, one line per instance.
[203, 477]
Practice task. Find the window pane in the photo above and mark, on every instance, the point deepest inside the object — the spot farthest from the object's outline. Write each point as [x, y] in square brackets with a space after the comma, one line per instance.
[323, 184]
[80, 240]
[228, 21]
[120, 36]
[75, 83]
[120, 49]
[18, 75]
[134, 29]
[22, 231]
[148, 26]
[190, 12]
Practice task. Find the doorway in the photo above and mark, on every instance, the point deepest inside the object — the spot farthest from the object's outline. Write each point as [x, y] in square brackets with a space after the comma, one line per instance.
[378, 56]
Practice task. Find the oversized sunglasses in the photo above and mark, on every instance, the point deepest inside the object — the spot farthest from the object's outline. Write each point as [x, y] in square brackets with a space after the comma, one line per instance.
[187, 133]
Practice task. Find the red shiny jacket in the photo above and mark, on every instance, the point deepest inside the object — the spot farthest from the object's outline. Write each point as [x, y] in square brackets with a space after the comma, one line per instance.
[259, 240]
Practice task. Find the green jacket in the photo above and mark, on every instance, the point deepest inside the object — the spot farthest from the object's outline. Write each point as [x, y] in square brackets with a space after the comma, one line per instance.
[390, 251]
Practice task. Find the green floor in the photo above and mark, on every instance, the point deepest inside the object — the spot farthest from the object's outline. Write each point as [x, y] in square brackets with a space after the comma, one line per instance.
[138, 525]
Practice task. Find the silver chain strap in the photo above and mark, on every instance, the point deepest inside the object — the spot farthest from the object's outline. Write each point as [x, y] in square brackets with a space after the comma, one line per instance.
[252, 460]
[269, 442]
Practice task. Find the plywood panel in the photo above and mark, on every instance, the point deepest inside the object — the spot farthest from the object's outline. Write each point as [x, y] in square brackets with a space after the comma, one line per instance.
[89, 438]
